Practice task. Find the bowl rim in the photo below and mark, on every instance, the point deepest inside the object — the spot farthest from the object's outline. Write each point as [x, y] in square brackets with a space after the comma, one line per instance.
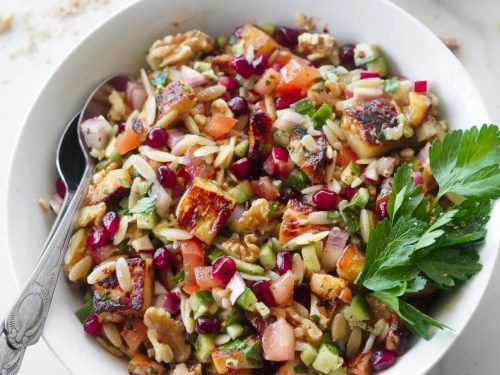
[422, 28]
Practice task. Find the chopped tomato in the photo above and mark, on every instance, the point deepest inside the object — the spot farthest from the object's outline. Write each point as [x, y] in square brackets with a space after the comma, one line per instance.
[134, 333]
[193, 255]
[190, 288]
[278, 341]
[268, 82]
[196, 167]
[127, 141]
[219, 125]
[297, 77]
[204, 278]
[345, 156]
[282, 289]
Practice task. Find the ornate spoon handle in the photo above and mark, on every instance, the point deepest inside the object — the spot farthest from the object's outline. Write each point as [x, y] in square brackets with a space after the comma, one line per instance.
[23, 325]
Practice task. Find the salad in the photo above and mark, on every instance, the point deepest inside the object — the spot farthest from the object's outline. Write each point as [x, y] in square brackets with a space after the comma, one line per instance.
[274, 202]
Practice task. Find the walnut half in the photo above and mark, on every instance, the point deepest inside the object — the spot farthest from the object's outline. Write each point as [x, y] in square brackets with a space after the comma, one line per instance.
[175, 49]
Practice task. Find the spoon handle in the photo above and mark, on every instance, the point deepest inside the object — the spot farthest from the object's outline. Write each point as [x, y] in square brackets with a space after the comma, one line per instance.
[23, 325]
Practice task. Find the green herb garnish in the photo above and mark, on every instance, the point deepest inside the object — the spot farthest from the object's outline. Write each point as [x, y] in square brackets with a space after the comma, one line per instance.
[144, 206]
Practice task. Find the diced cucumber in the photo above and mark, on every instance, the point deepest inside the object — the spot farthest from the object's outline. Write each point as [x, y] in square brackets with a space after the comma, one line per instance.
[242, 192]
[144, 187]
[360, 199]
[298, 180]
[278, 184]
[378, 65]
[262, 309]
[179, 277]
[350, 172]
[147, 220]
[339, 371]
[202, 66]
[308, 355]
[199, 299]
[365, 52]
[241, 149]
[204, 347]
[321, 115]
[234, 330]
[234, 318]
[267, 257]
[110, 148]
[249, 268]
[303, 106]
[84, 311]
[311, 260]
[268, 28]
[214, 254]
[358, 310]
[247, 300]
[327, 359]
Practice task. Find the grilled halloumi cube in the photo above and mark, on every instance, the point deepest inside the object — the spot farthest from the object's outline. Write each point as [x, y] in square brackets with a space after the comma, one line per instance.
[330, 287]
[176, 96]
[113, 186]
[253, 37]
[295, 222]
[204, 208]
[420, 105]
[111, 302]
[350, 263]
[366, 124]
[313, 160]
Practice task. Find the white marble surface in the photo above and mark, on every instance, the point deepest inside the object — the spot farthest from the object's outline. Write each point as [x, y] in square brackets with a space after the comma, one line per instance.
[41, 37]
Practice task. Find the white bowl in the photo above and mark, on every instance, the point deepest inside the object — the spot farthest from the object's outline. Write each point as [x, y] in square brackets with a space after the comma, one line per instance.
[119, 46]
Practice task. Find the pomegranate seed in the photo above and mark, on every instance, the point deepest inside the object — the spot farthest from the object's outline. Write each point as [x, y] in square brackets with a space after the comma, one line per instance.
[111, 222]
[166, 177]
[172, 302]
[420, 86]
[241, 168]
[364, 75]
[263, 292]
[382, 359]
[280, 153]
[162, 258]
[121, 127]
[260, 63]
[286, 36]
[228, 82]
[348, 192]
[417, 178]
[98, 238]
[283, 262]
[60, 188]
[285, 101]
[302, 294]
[346, 54]
[238, 105]
[157, 138]
[381, 211]
[242, 66]
[92, 325]
[325, 199]
[276, 67]
[207, 324]
[224, 269]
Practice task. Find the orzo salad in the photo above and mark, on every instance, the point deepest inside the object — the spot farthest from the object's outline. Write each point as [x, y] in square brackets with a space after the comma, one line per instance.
[274, 202]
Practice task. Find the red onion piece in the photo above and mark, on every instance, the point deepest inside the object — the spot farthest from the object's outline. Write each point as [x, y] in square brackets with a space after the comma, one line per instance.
[171, 302]
[417, 177]
[95, 132]
[264, 188]
[423, 154]
[364, 75]
[335, 244]
[136, 94]
[192, 77]
[119, 83]
[174, 136]
[280, 154]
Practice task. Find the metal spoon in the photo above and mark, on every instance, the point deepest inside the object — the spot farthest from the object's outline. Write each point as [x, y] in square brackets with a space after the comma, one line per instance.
[23, 325]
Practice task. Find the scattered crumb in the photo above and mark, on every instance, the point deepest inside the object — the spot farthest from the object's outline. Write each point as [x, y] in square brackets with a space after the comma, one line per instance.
[326, 29]
[304, 22]
[6, 19]
[55, 22]
[44, 205]
[451, 43]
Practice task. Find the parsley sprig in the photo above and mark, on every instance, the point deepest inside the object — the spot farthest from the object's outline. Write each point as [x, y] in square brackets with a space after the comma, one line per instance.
[421, 243]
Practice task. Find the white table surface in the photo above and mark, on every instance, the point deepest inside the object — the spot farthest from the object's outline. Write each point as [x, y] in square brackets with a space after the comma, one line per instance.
[22, 73]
